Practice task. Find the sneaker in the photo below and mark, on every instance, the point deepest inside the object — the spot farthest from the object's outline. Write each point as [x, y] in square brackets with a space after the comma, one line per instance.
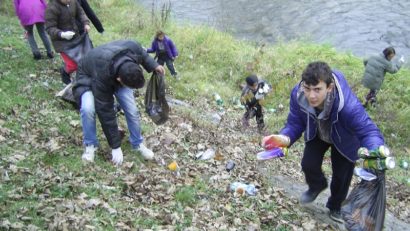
[310, 195]
[335, 215]
[88, 155]
[145, 152]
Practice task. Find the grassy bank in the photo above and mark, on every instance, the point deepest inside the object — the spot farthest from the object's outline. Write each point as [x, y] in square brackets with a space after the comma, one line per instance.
[44, 184]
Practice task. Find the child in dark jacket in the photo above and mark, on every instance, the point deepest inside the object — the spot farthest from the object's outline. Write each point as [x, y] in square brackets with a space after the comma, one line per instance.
[375, 71]
[252, 98]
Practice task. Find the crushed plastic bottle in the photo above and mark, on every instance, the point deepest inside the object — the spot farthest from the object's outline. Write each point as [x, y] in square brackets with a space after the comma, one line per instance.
[242, 188]
[404, 164]
[208, 154]
[364, 174]
[216, 118]
[271, 110]
[229, 165]
[272, 153]
[218, 99]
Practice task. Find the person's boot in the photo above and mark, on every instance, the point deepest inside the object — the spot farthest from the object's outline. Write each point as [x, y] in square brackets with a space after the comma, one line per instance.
[176, 76]
[373, 102]
[245, 122]
[310, 195]
[336, 215]
[65, 77]
[37, 55]
[50, 54]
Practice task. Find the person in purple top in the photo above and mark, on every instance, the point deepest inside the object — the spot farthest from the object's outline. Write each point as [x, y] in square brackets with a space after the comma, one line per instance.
[165, 51]
[30, 13]
[324, 108]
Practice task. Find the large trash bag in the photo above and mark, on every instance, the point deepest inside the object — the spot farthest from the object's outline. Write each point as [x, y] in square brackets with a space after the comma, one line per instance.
[156, 105]
[365, 207]
[78, 47]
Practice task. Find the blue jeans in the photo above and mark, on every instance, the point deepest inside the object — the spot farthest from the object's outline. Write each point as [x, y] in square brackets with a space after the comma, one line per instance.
[125, 98]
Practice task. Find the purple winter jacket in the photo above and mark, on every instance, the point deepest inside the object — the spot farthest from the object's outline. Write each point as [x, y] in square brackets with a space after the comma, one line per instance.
[169, 47]
[30, 12]
[351, 126]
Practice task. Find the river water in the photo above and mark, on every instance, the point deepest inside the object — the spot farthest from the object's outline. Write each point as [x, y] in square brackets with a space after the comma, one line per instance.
[363, 27]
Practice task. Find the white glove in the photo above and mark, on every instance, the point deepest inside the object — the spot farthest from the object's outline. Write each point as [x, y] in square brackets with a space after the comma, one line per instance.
[259, 95]
[67, 35]
[117, 156]
[401, 59]
[266, 88]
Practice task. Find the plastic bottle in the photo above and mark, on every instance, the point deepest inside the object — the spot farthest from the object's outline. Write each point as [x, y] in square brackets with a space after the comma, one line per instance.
[272, 153]
[241, 188]
[271, 110]
[218, 99]
[208, 154]
[379, 164]
[381, 151]
[404, 164]
[173, 166]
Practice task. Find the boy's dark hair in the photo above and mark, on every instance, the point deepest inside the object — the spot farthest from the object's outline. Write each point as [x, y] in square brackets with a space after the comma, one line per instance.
[317, 71]
[388, 51]
[131, 75]
[251, 80]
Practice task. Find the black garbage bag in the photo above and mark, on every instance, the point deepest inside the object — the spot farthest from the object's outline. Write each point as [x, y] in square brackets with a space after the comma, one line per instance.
[78, 47]
[365, 207]
[67, 95]
[156, 106]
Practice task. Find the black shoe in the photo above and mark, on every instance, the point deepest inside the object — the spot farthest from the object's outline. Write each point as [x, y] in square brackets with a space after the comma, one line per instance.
[335, 215]
[65, 77]
[37, 55]
[176, 76]
[50, 55]
[310, 195]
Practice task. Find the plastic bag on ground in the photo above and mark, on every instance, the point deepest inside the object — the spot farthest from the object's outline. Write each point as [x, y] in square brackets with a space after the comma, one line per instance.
[67, 95]
[365, 207]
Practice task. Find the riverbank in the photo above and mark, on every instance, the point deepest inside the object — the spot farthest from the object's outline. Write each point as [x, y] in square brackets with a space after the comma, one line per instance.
[44, 184]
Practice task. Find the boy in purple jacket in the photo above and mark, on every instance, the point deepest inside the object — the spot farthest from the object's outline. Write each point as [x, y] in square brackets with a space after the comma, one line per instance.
[324, 108]
[165, 51]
